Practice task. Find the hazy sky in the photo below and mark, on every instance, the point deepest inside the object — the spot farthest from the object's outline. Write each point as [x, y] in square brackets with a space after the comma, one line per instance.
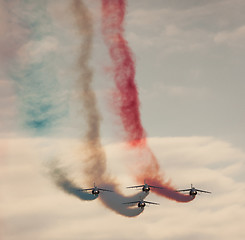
[189, 71]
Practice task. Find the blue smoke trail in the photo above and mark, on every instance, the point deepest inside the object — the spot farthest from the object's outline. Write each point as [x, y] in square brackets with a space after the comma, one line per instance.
[61, 180]
[41, 101]
[41, 104]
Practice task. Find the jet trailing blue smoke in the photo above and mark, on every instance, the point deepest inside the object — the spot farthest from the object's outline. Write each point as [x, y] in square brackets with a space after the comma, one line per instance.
[61, 180]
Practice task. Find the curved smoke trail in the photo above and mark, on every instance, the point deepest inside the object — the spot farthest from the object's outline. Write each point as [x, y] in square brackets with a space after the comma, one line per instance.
[35, 78]
[63, 182]
[126, 98]
[95, 158]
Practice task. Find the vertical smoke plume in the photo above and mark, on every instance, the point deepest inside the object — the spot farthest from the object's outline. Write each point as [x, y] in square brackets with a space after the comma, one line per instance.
[126, 98]
[95, 162]
[41, 104]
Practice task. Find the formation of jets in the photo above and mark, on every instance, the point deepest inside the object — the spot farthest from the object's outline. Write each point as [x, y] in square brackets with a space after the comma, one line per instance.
[145, 188]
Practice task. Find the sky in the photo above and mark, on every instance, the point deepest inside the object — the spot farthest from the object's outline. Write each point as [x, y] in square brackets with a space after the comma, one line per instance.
[189, 73]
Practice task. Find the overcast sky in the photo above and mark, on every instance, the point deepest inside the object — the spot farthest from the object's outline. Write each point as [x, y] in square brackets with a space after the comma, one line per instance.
[189, 58]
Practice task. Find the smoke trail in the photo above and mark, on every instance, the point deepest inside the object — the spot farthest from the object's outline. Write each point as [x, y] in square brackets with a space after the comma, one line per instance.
[61, 180]
[126, 98]
[124, 70]
[34, 74]
[95, 162]
[41, 104]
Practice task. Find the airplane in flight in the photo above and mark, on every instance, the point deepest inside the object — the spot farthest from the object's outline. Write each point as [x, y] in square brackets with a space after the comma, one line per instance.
[141, 203]
[192, 191]
[145, 187]
[95, 190]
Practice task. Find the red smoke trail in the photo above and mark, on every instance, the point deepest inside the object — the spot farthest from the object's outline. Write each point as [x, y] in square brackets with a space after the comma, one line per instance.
[124, 70]
[126, 98]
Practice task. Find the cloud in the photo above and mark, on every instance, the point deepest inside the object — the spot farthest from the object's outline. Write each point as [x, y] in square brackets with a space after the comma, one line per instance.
[187, 27]
[210, 164]
[13, 35]
[8, 107]
[36, 50]
[171, 38]
[29, 200]
[232, 38]
[176, 91]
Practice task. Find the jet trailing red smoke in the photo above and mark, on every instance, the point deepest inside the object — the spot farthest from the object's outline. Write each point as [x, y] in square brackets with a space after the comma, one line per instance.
[126, 101]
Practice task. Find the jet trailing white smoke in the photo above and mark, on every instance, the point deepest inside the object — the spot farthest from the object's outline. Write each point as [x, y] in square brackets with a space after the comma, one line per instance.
[95, 158]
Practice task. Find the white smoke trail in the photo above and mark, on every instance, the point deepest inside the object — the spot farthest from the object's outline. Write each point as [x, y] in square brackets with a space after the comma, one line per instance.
[95, 162]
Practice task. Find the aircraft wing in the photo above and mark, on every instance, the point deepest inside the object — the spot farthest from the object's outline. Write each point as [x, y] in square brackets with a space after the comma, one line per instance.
[131, 202]
[183, 190]
[156, 187]
[152, 203]
[85, 189]
[202, 191]
[136, 186]
[106, 190]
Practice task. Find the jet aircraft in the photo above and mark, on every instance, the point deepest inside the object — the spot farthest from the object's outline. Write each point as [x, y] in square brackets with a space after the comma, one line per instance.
[95, 190]
[192, 191]
[141, 203]
[146, 187]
